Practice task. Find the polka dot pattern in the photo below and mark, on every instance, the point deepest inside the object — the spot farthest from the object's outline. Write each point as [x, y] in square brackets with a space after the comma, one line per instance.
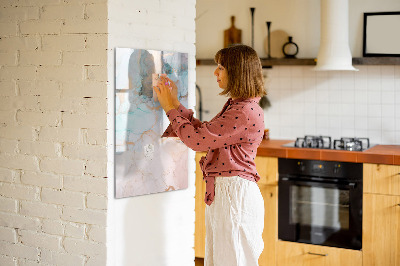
[231, 139]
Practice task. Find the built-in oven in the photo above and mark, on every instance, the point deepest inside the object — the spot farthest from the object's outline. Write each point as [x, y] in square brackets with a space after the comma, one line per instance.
[320, 202]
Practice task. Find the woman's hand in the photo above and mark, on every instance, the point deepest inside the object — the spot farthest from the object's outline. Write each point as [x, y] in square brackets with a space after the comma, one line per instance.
[174, 91]
[165, 93]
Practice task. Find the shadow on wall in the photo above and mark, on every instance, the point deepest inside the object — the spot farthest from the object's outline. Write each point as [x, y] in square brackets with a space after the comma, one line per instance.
[144, 231]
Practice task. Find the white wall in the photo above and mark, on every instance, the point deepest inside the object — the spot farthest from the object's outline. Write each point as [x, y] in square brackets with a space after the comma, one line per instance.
[338, 104]
[299, 18]
[155, 229]
[53, 110]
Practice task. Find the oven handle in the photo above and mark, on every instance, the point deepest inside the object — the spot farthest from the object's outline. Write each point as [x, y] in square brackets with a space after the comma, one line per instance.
[297, 181]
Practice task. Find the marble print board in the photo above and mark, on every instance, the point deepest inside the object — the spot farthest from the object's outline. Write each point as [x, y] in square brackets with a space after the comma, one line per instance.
[145, 163]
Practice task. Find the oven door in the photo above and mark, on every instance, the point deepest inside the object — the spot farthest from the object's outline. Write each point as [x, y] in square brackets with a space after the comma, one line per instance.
[321, 212]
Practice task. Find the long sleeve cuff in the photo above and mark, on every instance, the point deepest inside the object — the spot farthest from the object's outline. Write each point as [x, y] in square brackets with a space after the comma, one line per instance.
[172, 114]
[185, 112]
[169, 132]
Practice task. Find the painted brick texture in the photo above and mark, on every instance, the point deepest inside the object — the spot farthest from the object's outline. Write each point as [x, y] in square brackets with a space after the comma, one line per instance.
[53, 111]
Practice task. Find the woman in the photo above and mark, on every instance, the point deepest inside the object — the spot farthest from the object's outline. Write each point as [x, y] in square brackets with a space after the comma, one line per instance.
[235, 207]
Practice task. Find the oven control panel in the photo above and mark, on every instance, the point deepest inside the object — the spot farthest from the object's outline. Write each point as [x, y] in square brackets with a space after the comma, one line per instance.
[331, 169]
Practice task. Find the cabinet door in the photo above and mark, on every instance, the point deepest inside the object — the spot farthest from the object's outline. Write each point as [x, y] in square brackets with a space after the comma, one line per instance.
[267, 168]
[297, 254]
[381, 230]
[381, 179]
[270, 233]
[200, 207]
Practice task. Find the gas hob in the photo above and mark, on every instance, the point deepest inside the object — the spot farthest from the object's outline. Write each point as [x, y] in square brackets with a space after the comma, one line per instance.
[325, 142]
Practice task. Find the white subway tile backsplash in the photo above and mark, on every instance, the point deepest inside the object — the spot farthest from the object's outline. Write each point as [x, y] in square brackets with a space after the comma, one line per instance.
[360, 81]
[334, 109]
[374, 70]
[388, 111]
[284, 83]
[360, 133]
[361, 123]
[322, 74]
[361, 97]
[310, 130]
[348, 122]
[310, 108]
[286, 120]
[348, 96]
[387, 72]
[397, 97]
[374, 123]
[310, 96]
[308, 72]
[334, 80]
[397, 110]
[374, 111]
[297, 83]
[348, 77]
[374, 84]
[322, 95]
[361, 110]
[322, 121]
[322, 109]
[388, 84]
[347, 110]
[297, 72]
[338, 104]
[297, 97]
[348, 133]
[388, 124]
[335, 95]
[335, 122]
[388, 97]
[322, 83]
[374, 97]
[284, 72]
[375, 136]
[397, 72]
[389, 136]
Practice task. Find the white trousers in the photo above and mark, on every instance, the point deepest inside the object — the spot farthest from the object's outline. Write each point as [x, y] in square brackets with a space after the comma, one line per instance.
[234, 223]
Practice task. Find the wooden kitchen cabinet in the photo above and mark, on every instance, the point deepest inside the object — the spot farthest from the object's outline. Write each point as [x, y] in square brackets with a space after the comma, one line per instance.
[381, 215]
[381, 179]
[381, 230]
[298, 254]
[267, 167]
[270, 233]
[200, 207]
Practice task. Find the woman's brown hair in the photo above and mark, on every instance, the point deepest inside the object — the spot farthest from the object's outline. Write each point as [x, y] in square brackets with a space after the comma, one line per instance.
[245, 78]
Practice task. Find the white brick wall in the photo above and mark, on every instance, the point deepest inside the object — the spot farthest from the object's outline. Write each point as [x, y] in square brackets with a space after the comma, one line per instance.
[53, 111]
[55, 126]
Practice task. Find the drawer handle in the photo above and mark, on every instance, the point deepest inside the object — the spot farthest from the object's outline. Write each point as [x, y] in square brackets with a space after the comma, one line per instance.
[318, 254]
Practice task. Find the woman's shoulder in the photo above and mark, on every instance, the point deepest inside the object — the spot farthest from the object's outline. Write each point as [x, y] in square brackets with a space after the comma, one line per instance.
[248, 104]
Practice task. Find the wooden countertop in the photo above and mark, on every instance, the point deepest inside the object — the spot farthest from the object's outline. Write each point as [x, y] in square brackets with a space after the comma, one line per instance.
[379, 154]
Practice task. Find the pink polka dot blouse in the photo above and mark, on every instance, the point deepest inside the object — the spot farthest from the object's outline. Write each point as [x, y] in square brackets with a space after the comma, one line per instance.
[231, 139]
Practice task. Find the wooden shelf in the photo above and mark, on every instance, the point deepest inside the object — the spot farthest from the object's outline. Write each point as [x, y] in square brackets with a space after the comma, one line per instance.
[376, 61]
[312, 61]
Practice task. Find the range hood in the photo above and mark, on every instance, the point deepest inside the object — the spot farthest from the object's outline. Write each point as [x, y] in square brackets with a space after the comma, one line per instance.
[334, 51]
